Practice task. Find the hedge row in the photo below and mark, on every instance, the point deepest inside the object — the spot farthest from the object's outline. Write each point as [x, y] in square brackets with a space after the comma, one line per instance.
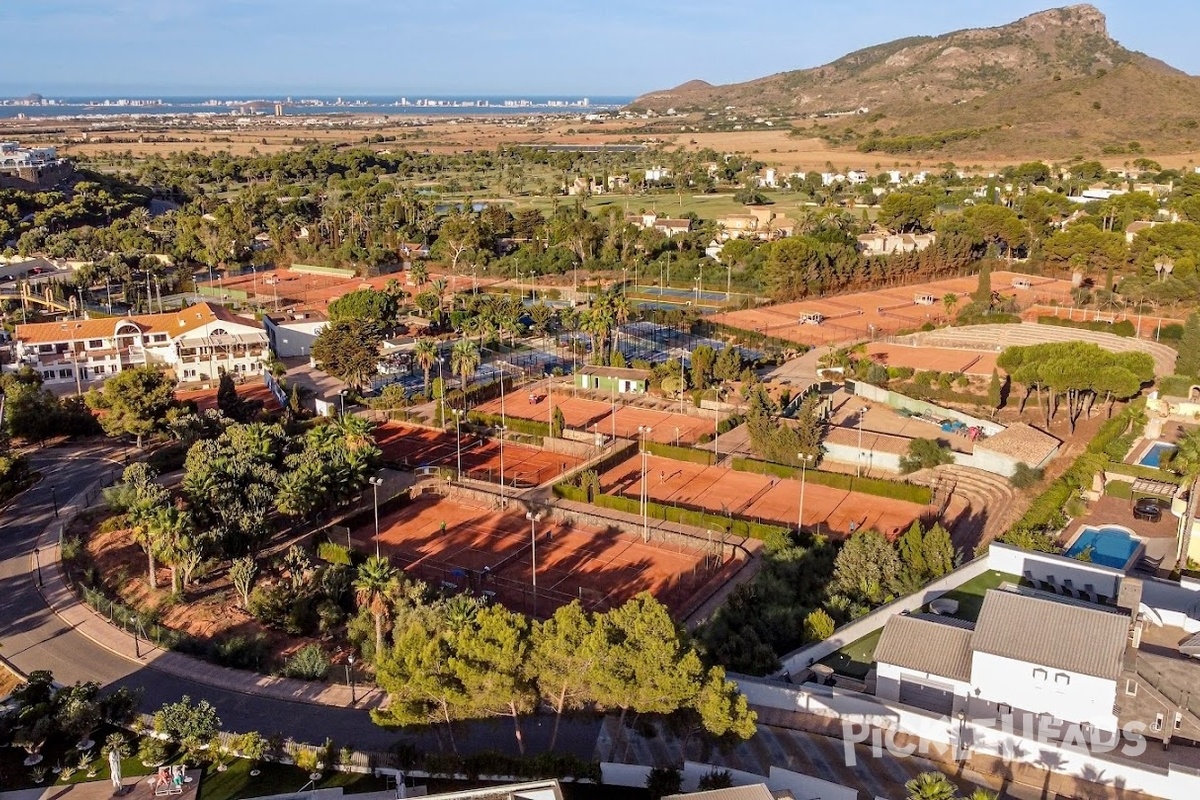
[691, 455]
[880, 487]
[1110, 444]
[773, 536]
[1139, 471]
[1122, 328]
[530, 427]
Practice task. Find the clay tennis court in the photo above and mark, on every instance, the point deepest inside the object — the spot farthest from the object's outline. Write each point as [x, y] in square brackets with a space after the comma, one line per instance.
[942, 359]
[865, 315]
[1147, 325]
[316, 291]
[760, 497]
[413, 447]
[583, 414]
[456, 547]
[206, 399]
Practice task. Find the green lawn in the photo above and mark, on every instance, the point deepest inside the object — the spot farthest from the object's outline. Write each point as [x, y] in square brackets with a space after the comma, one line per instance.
[970, 594]
[236, 782]
[855, 659]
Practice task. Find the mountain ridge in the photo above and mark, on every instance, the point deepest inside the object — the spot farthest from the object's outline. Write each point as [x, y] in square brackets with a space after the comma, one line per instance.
[921, 84]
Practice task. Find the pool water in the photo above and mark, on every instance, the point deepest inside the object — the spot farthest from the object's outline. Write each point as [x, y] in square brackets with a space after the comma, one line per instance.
[1153, 457]
[1109, 546]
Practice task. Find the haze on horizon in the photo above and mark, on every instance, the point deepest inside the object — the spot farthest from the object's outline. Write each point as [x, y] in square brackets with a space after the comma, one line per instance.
[357, 47]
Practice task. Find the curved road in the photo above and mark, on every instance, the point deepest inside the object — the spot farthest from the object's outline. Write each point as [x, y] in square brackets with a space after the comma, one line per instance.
[34, 637]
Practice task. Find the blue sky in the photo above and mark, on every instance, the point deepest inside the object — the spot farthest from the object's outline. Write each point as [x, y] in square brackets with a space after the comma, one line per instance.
[575, 47]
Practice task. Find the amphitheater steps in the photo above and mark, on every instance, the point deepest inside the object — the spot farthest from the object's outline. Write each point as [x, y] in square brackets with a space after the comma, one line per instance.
[984, 501]
[998, 337]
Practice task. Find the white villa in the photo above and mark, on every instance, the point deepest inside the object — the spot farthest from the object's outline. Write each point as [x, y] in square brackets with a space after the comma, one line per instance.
[198, 343]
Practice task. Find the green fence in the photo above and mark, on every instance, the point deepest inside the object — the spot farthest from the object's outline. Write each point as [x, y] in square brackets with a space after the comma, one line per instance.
[689, 454]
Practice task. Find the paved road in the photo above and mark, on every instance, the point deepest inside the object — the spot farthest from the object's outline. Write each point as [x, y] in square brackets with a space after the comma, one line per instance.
[33, 637]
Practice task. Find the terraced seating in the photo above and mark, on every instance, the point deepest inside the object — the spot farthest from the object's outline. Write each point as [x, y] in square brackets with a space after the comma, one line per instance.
[994, 338]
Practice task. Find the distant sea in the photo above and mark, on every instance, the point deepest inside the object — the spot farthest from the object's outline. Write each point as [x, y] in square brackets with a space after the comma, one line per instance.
[298, 106]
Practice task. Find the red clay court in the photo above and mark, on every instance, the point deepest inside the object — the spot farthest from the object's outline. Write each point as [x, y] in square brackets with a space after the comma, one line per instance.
[942, 359]
[457, 547]
[760, 497]
[524, 466]
[316, 290]
[862, 315]
[582, 414]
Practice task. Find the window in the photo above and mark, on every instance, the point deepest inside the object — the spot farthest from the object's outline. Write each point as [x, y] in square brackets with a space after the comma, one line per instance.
[1062, 679]
[1178, 720]
[160, 337]
[1158, 723]
[1040, 674]
[95, 344]
[45, 348]
[1131, 687]
[65, 373]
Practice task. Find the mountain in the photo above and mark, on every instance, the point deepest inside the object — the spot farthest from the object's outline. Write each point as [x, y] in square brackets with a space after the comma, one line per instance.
[1054, 81]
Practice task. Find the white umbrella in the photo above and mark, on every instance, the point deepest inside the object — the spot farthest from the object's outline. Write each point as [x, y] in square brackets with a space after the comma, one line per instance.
[114, 766]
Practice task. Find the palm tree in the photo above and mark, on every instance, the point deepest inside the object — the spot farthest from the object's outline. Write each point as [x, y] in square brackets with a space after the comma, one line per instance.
[425, 354]
[419, 273]
[464, 360]
[931, 786]
[1185, 460]
[374, 588]
[621, 309]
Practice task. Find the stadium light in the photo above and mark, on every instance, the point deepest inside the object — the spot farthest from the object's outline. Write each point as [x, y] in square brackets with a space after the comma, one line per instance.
[376, 482]
[644, 431]
[534, 519]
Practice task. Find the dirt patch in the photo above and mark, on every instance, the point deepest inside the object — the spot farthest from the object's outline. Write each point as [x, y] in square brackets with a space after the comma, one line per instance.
[209, 610]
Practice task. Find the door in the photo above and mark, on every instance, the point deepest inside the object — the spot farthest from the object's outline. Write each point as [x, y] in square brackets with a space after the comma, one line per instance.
[931, 697]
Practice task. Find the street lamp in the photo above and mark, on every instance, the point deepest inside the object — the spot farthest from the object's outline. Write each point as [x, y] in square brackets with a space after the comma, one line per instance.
[350, 677]
[342, 398]
[37, 563]
[502, 429]
[376, 482]
[644, 431]
[54, 499]
[534, 519]
[862, 412]
[804, 459]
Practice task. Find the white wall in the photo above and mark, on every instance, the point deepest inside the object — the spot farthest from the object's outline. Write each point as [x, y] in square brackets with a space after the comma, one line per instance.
[1064, 695]
[296, 338]
[804, 786]
[798, 660]
[889, 676]
[1042, 566]
[857, 709]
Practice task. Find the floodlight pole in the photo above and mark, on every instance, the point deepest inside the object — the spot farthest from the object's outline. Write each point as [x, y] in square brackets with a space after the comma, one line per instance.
[376, 482]
[644, 431]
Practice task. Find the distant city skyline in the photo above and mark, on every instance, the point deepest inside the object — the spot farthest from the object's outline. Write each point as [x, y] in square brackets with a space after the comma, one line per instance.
[462, 47]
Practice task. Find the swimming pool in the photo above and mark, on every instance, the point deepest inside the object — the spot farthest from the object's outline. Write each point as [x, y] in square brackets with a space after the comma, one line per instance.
[1153, 456]
[1108, 546]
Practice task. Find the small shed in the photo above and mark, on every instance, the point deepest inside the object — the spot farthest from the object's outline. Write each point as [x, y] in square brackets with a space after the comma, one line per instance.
[621, 380]
[1022, 283]
[924, 299]
[811, 318]
[1017, 444]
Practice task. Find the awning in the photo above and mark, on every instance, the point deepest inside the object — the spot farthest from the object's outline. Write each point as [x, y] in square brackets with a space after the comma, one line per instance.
[1152, 488]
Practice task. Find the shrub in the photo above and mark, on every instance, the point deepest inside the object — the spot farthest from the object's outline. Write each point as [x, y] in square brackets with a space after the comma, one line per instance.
[924, 453]
[663, 781]
[308, 663]
[881, 487]
[240, 652]
[715, 779]
[270, 604]
[334, 553]
[1024, 476]
[152, 752]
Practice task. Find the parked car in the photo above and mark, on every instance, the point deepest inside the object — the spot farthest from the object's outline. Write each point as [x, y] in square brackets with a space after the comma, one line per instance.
[1147, 508]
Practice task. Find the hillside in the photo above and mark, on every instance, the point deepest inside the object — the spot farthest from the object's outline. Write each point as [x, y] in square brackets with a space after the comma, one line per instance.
[1053, 83]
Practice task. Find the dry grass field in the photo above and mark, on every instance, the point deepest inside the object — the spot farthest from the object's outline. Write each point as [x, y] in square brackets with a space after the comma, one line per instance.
[777, 147]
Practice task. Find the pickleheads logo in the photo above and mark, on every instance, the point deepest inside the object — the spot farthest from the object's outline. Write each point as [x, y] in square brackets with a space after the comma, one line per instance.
[1014, 732]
